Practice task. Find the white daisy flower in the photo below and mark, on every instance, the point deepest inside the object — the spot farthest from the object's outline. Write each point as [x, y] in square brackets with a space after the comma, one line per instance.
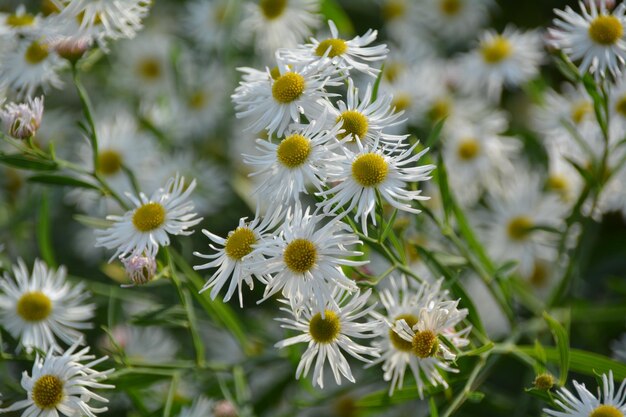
[595, 37]
[20, 23]
[305, 259]
[298, 160]
[371, 170]
[347, 55]
[140, 269]
[365, 119]
[235, 258]
[22, 120]
[276, 101]
[113, 19]
[278, 23]
[39, 308]
[476, 160]
[608, 403]
[509, 227]
[563, 179]
[61, 384]
[208, 22]
[201, 407]
[507, 59]
[29, 64]
[330, 332]
[572, 108]
[453, 20]
[412, 345]
[142, 230]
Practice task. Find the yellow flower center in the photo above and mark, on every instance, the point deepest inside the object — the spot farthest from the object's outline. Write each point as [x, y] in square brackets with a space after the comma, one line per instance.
[620, 106]
[354, 123]
[239, 243]
[293, 151]
[148, 217]
[606, 30]
[468, 148]
[34, 306]
[401, 101]
[424, 344]
[558, 183]
[451, 7]
[519, 227]
[580, 110]
[275, 73]
[48, 7]
[496, 50]
[272, 9]
[370, 169]
[36, 53]
[606, 411]
[109, 161]
[300, 255]
[288, 87]
[539, 277]
[397, 341]
[149, 68]
[325, 330]
[20, 21]
[198, 100]
[544, 381]
[393, 9]
[440, 109]
[337, 47]
[393, 70]
[48, 391]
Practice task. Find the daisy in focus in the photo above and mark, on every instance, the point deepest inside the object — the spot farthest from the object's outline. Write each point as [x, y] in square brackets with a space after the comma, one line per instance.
[274, 102]
[609, 403]
[371, 170]
[278, 23]
[142, 230]
[595, 37]
[234, 257]
[39, 308]
[508, 59]
[329, 333]
[347, 55]
[61, 384]
[297, 161]
[305, 259]
[403, 303]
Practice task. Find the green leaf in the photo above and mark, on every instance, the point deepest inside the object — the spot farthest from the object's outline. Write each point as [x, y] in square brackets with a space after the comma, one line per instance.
[44, 241]
[435, 134]
[583, 362]
[479, 350]
[540, 365]
[333, 11]
[377, 84]
[62, 180]
[562, 341]
[27, 162]
[432, 405]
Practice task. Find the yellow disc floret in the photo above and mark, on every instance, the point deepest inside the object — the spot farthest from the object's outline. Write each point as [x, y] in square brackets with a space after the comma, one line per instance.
[109, 161]
[48, 392]
[198, 100]
[300, 255]
[354, 123]
[36, 52]
[393, 9]
[620, 106]
[293, 151]
[519, 227]
[149, 68]
[337, 47]
[401, 101]
[468, 149]
[606, 411]
[450, 7]
[272, 9]
[424, 344]
[580, 110]
[397, 341]
[370, 169]
[34, 306]
[288, 87]
[325, 330]
[440, 109]
[25, 19]
[544, 381]
[239, 243]
[496, 50]
[148, 217]
[606, 30]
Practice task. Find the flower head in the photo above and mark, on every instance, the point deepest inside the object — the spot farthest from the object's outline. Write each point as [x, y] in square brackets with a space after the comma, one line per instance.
[22, 120]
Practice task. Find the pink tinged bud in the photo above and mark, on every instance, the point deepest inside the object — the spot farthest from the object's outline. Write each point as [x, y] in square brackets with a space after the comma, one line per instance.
[72, 49]
[140, 269]
[22, 121]
[224, 408]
